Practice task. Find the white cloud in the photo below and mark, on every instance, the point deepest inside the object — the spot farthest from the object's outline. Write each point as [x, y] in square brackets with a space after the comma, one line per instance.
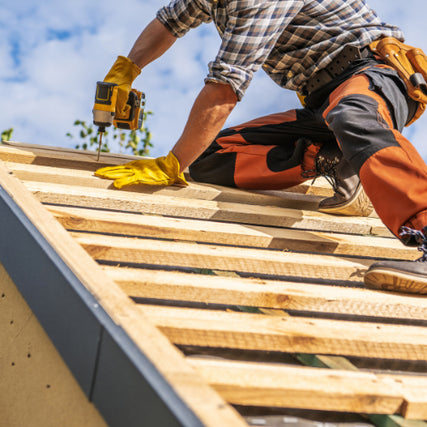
[53, 53]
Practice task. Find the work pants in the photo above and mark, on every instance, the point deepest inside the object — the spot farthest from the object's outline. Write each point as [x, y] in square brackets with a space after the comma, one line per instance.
[363, 114]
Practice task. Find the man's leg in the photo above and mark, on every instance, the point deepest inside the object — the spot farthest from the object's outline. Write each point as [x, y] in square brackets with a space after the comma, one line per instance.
[273, 152]
[365, 113]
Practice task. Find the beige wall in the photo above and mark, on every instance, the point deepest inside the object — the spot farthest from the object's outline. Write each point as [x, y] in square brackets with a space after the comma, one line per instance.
[36, 387]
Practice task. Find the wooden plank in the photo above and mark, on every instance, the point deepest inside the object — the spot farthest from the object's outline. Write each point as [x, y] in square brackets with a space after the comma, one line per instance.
[320, 187]
[414, 392]
[202, 400]
[202, 209]
[177, 286]
[416, 403]
[273, 385]
[246, 383]
[192, 255]
[86, 178]
[386, 420]
[213, 328]
[19, 152]
[230, 234]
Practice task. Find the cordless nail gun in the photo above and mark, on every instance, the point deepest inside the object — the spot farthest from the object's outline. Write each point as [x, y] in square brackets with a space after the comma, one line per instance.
[104, 109]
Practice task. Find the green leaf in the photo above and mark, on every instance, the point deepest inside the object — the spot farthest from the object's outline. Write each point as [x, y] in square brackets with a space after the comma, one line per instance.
[137, 142]
[6, 135]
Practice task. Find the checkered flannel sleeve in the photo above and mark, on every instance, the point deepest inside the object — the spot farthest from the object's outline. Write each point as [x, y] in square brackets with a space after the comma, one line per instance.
[250, 33]
[249, 28]
[179, 16]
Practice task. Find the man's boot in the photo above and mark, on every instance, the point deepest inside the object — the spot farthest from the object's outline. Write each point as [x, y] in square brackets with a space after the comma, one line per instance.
[401, 276]
[349, 198]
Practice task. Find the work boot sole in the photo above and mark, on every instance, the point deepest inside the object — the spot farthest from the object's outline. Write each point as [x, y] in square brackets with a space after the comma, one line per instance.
[358, 205]
[388, 279]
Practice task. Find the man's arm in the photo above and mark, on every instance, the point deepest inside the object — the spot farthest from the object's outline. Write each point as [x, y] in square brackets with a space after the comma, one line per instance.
[207, 117]
[153, 42]
[211, 108]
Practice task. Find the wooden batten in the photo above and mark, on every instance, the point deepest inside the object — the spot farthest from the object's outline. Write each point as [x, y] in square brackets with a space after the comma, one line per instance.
[210, 328]
[186, 287]
[233, 234]
[270, 385]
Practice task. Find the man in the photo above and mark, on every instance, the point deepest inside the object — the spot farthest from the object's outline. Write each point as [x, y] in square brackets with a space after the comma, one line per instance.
[355, 109]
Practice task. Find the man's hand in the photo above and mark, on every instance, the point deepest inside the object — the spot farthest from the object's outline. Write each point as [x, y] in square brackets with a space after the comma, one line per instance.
[160, 171]
[123, 73]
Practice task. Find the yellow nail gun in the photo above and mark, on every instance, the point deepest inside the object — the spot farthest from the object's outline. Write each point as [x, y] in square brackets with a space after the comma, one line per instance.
[104, 109]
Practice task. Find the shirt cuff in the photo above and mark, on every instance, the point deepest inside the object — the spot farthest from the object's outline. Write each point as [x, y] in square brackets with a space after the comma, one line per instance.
[174, 27]
[237, 77]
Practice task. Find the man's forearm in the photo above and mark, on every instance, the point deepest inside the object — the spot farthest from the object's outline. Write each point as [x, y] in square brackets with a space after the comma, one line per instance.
[155, 40]
[211, 108]
[207, 117]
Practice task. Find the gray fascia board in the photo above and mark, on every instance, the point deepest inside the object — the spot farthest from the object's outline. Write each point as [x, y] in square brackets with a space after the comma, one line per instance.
[91, 344]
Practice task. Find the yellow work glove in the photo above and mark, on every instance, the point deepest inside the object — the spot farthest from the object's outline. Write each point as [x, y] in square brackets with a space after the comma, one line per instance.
[123, 73]
[160, 171]
[301, 98]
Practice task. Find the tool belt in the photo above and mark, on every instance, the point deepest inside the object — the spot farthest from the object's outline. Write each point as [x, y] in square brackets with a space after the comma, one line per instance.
[340, 63]
[411, 65]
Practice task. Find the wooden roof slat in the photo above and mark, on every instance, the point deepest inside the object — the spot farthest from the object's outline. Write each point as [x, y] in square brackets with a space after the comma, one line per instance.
[85, 178]
[44, 155]
[202, 209]
[230, 233]
[193, 255]
[18, 152]
[263, 384]
[274, 385]
[190, 287]
[411, 383]
[214, 328]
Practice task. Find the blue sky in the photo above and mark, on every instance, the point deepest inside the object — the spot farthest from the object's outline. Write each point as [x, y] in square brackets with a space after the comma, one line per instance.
[54, 51]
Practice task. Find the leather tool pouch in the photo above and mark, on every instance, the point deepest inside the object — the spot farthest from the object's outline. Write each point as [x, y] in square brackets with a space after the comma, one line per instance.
[411, 65]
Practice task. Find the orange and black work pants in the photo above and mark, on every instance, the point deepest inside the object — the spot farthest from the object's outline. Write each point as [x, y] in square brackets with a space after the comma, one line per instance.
[364, 114]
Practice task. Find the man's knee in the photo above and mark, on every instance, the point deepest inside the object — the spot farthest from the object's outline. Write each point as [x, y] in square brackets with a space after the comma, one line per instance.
[213, 167]
[360, 128]
[353, 114]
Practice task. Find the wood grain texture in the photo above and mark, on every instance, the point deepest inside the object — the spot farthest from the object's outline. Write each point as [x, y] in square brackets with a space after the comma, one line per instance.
[25, 153]
[202, 209]
[213, 328]
[230, 233]
[86, 178]
[245, 383]
[176, 286]
[248, 260]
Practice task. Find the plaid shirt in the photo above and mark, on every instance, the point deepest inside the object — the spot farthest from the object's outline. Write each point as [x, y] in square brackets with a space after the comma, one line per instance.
[290, 39]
